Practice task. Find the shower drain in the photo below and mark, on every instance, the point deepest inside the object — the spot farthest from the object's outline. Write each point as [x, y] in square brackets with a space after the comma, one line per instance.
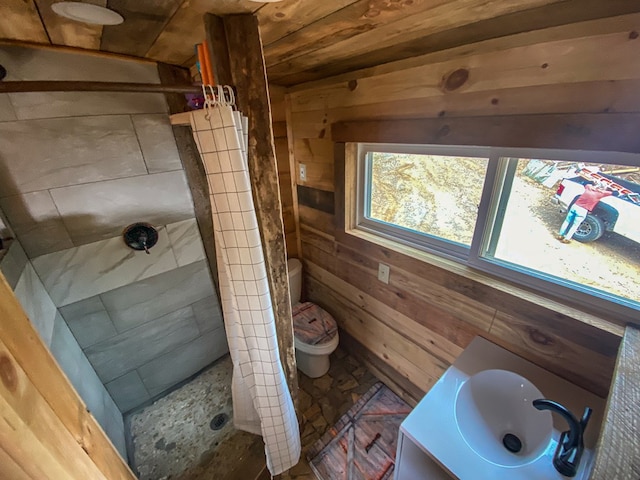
[219, 421]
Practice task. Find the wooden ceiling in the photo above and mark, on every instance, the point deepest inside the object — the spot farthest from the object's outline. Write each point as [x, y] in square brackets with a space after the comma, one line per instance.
[303, 39]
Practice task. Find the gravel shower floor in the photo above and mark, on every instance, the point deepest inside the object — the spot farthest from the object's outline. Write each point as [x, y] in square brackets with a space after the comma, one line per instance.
[173, 438]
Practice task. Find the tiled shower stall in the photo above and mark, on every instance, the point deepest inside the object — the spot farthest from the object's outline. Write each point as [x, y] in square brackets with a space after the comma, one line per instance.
[75, 169]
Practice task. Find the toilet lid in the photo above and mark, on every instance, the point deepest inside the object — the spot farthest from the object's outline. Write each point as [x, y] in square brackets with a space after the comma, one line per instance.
[312, 325]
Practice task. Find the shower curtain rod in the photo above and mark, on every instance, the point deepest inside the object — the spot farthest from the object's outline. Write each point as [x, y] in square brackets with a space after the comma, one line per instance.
[79, 86]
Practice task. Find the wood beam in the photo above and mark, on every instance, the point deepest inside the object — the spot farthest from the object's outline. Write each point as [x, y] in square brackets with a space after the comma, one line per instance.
[218, 49]
[618, 449]
[78, 86]
[248, 75]
[601, 132]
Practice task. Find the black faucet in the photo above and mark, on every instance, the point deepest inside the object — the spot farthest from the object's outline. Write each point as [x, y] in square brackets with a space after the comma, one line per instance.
[571, 444]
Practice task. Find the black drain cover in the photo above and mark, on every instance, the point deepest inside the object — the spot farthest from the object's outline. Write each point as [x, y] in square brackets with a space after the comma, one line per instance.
[512, 443]
[219, 421]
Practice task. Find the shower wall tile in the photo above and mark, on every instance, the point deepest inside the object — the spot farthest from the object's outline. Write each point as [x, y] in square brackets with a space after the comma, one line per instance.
[186, 242]
[116, 356]
[5, 229]
[75, 365]
[208, 313]
[6, 109]
[36, 221]
[167, 370]
[128, 391]
[89, 321]
[84, 379]
[144, 300]
[29, 106]
[25, 63]
[82, 272]
[13, 263]
[93, 212]
[114, 426]
[36, 303]
[56, 152]
[157, 142]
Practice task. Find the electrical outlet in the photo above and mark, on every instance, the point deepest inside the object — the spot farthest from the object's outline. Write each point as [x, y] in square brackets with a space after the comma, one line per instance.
[383, 273]
[303, 172]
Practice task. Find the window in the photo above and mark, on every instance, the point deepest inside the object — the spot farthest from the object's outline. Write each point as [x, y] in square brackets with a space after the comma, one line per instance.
[511, 212]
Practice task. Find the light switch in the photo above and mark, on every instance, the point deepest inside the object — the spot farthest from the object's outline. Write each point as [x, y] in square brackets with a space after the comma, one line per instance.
[383, 273]
[303, 172]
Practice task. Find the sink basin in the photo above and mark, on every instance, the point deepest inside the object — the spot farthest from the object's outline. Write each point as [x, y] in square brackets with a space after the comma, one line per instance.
[458, 429]
[496, 418]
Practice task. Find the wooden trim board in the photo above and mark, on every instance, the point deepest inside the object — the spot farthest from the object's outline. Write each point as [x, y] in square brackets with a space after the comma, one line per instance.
[618, 449]
[81, 86]
[602, 132]
[45, 427]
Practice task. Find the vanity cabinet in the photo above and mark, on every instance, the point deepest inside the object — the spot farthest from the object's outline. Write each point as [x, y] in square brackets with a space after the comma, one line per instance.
[412, 462]
[481, 398]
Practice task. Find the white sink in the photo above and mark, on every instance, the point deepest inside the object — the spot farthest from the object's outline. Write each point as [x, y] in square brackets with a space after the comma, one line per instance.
[457, 429]
[496, 419]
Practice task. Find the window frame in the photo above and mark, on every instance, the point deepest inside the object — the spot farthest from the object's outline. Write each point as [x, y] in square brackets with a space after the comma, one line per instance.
[497, 173]
[409, 237]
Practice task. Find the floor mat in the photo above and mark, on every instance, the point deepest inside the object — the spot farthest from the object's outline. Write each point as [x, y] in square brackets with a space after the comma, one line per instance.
[362, 445]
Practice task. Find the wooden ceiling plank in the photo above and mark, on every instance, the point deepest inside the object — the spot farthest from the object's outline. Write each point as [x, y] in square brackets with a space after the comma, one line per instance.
[564, 16]
[358, 18]
[63, 31]
[20, 21]
[280, 19]
[144, 22]
[433, 20]
[186, 28]
[190, 63]
[565, 61]
[600, 26]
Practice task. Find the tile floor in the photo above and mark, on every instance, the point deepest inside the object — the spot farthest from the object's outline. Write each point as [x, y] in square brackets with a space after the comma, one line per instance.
[173, 439]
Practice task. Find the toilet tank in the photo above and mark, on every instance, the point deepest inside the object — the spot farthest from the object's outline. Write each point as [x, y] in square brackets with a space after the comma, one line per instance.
[295, 279]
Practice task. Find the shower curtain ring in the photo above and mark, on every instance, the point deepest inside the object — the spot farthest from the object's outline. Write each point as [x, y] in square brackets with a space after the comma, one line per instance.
[207, 105]
[221, 95]
[231, 95]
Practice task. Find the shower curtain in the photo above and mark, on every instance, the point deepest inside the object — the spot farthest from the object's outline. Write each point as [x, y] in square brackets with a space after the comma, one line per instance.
[262, 403]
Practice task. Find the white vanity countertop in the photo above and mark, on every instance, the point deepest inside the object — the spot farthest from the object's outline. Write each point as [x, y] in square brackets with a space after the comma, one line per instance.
[433, 418]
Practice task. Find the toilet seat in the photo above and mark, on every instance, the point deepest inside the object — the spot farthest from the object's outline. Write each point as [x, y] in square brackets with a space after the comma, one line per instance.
[315, 330]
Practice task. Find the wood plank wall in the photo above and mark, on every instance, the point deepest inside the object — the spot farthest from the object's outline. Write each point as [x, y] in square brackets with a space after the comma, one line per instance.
[46, 431]
[413, 328]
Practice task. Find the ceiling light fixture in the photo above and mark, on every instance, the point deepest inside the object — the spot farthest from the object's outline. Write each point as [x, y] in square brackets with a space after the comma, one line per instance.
[87, 13]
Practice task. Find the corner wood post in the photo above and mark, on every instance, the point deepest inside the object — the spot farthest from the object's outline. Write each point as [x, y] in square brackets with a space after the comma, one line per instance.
[237, 59]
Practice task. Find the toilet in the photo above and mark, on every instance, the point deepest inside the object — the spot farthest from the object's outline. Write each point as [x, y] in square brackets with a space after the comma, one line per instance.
[315, 331]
